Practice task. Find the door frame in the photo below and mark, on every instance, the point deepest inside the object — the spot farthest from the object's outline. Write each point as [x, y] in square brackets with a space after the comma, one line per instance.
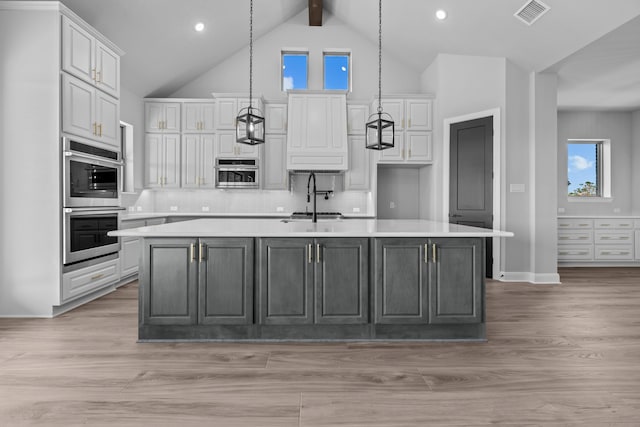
[497, 176]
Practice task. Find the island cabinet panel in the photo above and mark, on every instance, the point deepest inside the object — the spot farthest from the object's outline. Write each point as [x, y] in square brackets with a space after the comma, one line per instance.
[170, 278]
[286, 281]
[341, 280]
[225, 293]
[456, 280]
[401, 282]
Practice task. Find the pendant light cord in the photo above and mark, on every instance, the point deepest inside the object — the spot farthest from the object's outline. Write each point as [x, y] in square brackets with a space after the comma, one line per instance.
[250, 52]
[379, 56]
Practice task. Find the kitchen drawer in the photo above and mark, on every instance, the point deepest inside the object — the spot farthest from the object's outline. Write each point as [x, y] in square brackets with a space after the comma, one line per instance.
[575, 253]
[614, 252]
[575, 236]
[85, 280]
[613, 237]
[578, 223]
[615, 223]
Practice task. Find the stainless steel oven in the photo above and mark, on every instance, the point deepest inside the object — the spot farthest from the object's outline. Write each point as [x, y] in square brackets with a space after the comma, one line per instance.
[85, 233]
[91, 175]
[237, 173]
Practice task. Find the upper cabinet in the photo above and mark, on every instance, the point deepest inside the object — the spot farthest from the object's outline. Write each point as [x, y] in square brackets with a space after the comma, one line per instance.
[357, 115]
[162, 117]
[413, 118]
[89, 59]
[275, 116]
[198, 117]
[228, 106]
[317, 132]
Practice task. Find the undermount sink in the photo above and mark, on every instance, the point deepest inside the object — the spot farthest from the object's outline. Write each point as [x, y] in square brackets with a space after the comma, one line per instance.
[287, 220]
[308, 216]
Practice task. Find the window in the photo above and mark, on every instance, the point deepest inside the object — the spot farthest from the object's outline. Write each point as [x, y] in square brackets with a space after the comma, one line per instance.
[588, 168]
[294, 70]
[337, 70]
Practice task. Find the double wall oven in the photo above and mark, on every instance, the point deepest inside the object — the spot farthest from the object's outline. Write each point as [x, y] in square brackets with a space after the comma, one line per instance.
[91, 201]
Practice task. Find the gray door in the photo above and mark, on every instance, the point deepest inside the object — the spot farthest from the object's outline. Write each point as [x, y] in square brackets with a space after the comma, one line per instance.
[226, 281]
[471, 177]
[341, 280]
[401, 282]
[168, 282]
[456, 280]
[286, 281]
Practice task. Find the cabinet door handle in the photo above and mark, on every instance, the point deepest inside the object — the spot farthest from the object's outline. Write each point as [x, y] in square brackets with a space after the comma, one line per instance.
[95, 126]
[317, 253]
[93, 74]
[309, 256]
[426, 252]
[201, 252]
[193, 252]
[99, 79]
[433, 252]
[100, 127]
[97, 276]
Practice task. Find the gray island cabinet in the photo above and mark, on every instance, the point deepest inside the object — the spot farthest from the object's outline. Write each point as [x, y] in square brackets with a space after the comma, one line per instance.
[213, 279]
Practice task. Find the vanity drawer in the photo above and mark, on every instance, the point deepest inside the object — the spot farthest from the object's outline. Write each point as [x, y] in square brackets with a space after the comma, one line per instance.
[575, 236]
[613, 237]
[613, 223]
[575, 253]
[575, 223]
[614, 252]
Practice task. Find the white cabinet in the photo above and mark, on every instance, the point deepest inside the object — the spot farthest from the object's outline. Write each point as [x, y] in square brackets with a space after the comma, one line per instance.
[358, 175]
[275, 116]
[85, 280]
[637, 245]
[198, 117]
[88, 59]
[228, 107]
[275, 174]
[162, 160]
[198, 161]
[162, 117]
[419, 113]
[226, 146]
[317, 132]
[88, 112]
[357, 115]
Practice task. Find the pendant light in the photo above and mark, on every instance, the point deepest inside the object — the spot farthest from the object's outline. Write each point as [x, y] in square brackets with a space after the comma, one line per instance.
[380, 125]
[250, 120]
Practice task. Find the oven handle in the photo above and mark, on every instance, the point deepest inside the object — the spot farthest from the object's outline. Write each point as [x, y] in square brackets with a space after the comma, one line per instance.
[97, 159]
[96, 209]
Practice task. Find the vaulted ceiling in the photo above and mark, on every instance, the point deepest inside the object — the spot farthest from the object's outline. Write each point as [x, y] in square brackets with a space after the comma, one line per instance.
[590, 47]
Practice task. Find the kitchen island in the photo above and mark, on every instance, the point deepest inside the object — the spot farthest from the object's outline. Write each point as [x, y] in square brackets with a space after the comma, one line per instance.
[271, 279]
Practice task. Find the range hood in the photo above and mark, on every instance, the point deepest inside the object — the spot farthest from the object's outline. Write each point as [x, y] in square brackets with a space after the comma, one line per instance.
[317, 132]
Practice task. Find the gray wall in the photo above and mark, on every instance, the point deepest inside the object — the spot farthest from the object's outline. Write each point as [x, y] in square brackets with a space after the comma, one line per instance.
[401, 186]
[616, 126]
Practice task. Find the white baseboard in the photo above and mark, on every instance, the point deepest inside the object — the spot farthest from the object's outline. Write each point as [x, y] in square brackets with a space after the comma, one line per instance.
[536, 278]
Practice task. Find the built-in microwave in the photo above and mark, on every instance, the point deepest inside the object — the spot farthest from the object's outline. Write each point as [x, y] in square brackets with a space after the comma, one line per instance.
[237, 173]
[91, 175]
[85, 233]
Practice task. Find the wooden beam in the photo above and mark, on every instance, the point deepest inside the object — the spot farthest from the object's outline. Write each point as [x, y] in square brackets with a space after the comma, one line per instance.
[315, 13]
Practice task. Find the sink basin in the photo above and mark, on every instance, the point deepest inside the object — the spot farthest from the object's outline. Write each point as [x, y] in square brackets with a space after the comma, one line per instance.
[287, 220]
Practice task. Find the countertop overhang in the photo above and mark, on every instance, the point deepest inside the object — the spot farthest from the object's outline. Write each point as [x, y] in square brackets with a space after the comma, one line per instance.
[222, 227]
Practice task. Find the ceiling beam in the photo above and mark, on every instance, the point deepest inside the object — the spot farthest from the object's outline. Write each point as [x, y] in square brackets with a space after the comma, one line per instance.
[315, 13]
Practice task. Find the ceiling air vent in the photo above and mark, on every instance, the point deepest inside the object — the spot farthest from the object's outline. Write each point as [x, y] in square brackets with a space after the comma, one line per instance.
[531, 12]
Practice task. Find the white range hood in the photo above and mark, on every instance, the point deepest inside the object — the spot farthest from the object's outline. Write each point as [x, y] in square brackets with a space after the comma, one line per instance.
[317, 131]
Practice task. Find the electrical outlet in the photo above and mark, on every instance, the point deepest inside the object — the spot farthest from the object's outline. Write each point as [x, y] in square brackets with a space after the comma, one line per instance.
[139, 208]
[173, 208]
[616, 210]
[279, 209]
[392, 205]
[205, 209]
[132, 209]
[560, 210]
[356, 210]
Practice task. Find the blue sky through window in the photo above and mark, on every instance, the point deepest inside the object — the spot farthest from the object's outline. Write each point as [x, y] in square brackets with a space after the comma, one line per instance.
[336, 72]
[582, 165]
[294, 71]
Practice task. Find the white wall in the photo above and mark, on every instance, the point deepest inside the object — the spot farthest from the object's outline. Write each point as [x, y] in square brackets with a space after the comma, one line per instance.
[233, 74]
[617, 126]
[29, 162]
[635, 161]
[401, 186]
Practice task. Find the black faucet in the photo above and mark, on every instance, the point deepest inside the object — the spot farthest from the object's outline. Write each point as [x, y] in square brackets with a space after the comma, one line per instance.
[314, 217]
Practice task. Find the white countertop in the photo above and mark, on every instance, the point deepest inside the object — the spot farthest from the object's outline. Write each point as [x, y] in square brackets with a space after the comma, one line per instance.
[222, 227]
[131, 216]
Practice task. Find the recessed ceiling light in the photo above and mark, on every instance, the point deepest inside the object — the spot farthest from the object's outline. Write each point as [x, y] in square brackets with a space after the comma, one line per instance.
[441, 14]
[199, 27]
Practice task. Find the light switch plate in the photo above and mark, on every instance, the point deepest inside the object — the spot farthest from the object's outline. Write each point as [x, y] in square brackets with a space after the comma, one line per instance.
[173, 208]
[205, 209]
[516, 188]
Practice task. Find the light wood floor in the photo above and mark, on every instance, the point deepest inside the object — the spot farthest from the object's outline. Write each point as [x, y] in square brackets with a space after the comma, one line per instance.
[557, 355]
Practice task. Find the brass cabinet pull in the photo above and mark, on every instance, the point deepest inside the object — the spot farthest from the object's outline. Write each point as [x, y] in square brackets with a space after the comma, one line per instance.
[100, 127]
[99, 79]
[95, 126]
[201, 252]
[426, 251]
[97, 276]
[317, 253]
[193, 252]
[93, 74]
[433, 252]
[309, 256]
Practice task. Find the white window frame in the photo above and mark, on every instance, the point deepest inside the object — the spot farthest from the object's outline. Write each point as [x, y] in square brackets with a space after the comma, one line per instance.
[604, 167]
[336, 52]
[292, 51]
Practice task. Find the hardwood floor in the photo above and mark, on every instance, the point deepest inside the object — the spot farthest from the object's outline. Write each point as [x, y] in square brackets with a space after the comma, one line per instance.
[557, 355]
